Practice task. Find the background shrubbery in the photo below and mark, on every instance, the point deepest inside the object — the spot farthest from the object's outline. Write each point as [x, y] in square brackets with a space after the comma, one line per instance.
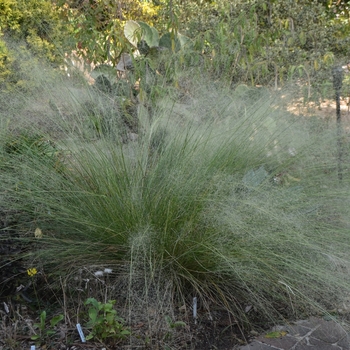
[258, 42]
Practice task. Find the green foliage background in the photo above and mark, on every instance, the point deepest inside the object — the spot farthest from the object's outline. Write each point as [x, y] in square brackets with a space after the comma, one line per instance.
[266, 42]
[98, 25]
[35, 22]
[258, 42]
[35, 26]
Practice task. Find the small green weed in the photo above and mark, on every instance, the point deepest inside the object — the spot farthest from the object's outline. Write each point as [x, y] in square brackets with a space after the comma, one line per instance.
[104, 321]
[172, 326]
[45, 332]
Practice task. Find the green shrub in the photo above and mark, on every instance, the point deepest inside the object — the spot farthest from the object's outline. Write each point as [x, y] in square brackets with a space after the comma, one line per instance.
[98, 26]
[38, 23]
[265, 42]
[5, 61]
[30, 28]
[104, 322]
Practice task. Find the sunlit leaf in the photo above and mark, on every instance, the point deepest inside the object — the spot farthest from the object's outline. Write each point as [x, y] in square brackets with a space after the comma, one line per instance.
[38, 233]
[276, 334]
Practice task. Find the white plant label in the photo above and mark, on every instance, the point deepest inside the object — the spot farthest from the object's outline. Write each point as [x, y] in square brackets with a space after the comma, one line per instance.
[80, 331]
[195, 309]
[6, 308]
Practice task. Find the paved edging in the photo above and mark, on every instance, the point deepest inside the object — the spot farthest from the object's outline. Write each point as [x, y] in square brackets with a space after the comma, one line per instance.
[312, 334]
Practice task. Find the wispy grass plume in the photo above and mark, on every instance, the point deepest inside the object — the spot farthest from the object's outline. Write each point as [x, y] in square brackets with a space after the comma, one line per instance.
[224, 197]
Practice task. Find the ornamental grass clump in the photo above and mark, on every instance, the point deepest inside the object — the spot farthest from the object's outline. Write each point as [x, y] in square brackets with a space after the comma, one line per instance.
[233, 201]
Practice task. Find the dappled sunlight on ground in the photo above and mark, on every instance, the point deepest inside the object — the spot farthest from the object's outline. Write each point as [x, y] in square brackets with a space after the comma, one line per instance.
[325, 110]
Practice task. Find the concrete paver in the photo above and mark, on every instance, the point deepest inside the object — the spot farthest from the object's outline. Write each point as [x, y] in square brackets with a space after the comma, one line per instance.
[312, 334]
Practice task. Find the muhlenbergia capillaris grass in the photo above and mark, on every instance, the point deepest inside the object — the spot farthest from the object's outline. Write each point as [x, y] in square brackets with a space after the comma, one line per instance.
[226, 198]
